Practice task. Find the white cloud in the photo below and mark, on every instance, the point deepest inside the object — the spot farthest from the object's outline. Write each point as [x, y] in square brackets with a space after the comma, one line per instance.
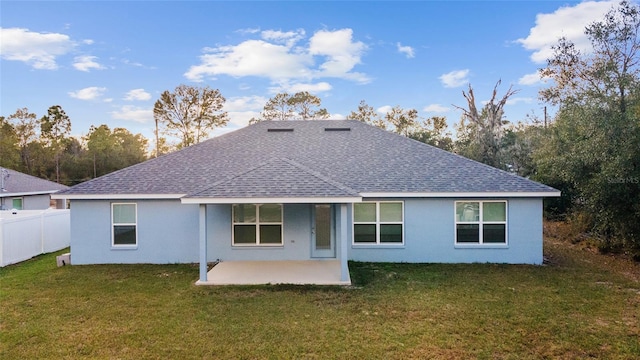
[567, 21]
[251, 58]
[241, 118]
[436, 108]
[133, 113]
[244, 103]
[90, 93]
[39, 50]
[407, 50]
[518, 100]
[297, 87]
[384, 109]
[86, 63]
[341, 51]
[455, 78]
[530, 79]
[88, 42]
[248, 31]
[277, 57]
[137, 95]
[241, 109]
[289, 38]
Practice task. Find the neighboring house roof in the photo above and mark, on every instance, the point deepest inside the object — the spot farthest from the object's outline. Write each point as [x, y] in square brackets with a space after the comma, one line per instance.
[297, 159]
[20, 184]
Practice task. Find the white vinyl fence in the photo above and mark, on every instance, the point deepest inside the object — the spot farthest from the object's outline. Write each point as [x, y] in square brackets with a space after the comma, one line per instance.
[32, 232]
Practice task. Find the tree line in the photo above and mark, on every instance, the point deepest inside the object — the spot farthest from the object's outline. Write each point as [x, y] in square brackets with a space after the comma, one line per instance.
[44, 147]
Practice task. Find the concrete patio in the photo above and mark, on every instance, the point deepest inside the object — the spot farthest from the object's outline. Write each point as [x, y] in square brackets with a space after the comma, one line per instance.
[316, 272]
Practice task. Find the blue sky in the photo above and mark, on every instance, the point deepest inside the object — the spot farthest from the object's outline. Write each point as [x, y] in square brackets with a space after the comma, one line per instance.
[106, 62]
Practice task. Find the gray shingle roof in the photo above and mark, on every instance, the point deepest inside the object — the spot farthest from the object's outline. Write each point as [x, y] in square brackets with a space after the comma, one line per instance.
[308, 161]
[20, 183]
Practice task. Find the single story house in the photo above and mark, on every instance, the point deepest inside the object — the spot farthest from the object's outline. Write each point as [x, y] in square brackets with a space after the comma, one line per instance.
[305, 192]
[25, 192]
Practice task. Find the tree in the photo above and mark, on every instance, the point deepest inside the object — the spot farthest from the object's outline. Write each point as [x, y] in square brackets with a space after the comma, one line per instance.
[593, 150]
[610, 74]
[432, 131]
[54, 128]
[9, 153]
[301, 105]
[367, 114]
[480, 132]
[25, 124]
[189, 113]
[114, 150]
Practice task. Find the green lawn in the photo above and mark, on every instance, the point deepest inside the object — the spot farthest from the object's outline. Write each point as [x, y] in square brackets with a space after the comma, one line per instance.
[580, 305]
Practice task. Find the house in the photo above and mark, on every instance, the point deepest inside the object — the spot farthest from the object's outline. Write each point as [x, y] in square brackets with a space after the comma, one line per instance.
[25, 192]
[303, 192]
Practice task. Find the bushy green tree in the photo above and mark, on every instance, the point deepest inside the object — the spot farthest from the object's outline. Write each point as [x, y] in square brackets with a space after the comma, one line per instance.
[9, 152]
[593, 151]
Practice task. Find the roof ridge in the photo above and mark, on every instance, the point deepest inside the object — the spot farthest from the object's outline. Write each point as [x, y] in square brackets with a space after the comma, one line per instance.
[288, 161]
[321, 176]
[233, 176]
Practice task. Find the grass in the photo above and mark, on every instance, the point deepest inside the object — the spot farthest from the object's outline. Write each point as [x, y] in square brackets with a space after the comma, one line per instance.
[580, 305]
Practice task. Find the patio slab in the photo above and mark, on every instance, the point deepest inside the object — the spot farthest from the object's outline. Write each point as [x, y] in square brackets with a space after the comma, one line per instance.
[309, 272]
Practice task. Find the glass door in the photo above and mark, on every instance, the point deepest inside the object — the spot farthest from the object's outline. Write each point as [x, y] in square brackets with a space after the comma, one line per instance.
[322, 239]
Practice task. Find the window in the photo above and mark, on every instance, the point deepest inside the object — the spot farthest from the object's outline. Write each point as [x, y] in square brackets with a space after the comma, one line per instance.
[378, 223]
[257, 224]
[124, 220]
[16, 203]
[481, 222]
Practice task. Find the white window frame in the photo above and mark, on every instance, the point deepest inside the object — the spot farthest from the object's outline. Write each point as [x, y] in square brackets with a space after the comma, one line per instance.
[377, 223]
[114, 224]
[257, 224]
[481, 223]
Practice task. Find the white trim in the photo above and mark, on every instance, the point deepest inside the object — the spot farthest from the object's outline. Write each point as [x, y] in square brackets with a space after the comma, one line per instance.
[17, 194]
[292, 200]
[113, 225]
[481, 222]
[459, 194]
[377, 223]
[116, 196]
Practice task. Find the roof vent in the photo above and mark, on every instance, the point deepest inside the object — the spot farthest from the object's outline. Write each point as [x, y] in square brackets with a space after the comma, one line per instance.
[337, 129]
[280, 130]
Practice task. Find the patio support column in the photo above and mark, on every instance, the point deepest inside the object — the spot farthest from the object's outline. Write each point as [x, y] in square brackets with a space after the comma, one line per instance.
[203, 242]
[344, 257]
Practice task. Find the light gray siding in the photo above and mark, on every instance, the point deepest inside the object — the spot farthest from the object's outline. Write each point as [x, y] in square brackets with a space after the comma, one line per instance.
[36, 202]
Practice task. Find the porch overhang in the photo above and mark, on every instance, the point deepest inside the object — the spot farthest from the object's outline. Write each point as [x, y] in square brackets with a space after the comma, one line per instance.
[271, 200]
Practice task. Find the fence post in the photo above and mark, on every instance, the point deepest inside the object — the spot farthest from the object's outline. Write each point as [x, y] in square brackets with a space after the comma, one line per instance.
[42, 233]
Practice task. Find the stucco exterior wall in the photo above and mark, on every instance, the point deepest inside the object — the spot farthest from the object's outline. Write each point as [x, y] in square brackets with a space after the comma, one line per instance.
[167, 233]
[296, 238]
[430, 236]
